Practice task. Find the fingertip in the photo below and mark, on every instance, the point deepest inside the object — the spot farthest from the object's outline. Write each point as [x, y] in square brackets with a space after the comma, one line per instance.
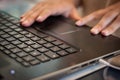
[79, 23]
[25, 23]
[39, 19]
[94, 31]
[105, 33]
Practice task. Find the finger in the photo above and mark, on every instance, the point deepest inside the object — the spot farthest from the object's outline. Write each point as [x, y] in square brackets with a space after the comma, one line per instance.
[30, 18]
[75, 15]
[33, 9]
[112, 28]
[105, 21]
[42, 16]
[92, 16]
[29, 13]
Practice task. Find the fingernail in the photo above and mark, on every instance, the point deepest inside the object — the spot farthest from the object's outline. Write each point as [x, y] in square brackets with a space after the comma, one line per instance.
[105, 33]
[94, 31]
[26, 23]
[79, 23]
[39, 19]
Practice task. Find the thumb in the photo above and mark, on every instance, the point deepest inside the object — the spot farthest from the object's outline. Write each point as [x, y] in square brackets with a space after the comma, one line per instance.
[75, 15]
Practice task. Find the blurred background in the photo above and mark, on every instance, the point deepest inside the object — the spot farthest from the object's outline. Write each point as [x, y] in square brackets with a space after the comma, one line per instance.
[17, 7]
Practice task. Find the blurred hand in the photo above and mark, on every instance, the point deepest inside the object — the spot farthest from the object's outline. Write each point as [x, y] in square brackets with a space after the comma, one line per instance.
[109, 23]
[47, 8]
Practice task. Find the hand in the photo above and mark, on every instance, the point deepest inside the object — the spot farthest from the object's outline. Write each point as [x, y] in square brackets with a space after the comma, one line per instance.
[47, 8]
[109, 23]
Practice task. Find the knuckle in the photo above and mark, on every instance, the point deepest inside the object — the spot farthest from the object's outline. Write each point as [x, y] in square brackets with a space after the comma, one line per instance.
[33, 15]
[47, 11]
[96, 15]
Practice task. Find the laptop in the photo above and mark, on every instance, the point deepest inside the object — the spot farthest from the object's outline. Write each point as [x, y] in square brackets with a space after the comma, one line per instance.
[54, 47]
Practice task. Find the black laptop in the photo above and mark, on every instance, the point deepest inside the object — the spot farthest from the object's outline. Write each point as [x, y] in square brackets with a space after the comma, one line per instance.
[54, 47]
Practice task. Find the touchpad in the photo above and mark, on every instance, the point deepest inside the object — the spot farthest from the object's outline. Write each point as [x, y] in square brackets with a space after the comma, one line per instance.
[61, 28]
[65, 29]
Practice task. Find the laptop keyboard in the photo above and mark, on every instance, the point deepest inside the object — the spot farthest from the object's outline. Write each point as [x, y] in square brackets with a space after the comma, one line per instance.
[28, 48]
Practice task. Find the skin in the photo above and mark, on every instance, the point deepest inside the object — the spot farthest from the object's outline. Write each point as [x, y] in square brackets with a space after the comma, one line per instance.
[109, 23]
[46, 8]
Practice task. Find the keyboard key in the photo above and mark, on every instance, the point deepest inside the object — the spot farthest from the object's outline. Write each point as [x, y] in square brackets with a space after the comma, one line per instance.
[16, 42]
[35, 53]
[9, 46]
[52, 54]
[23, 45]
[48, 45]
[15, 50]
[30, 42]
[55, 49]
[24, 39]
[13, 55]
[64, 46]
[18, 36]
[30, 35]
[19, 59]
[42, 41]
[22, 54]
[18, 24]
[43, 58]
[2, 32]
[24, 32]
[8, 24]
[71, 50]
[11, 39]
[50, 39]
[3, 43]
[3, 22]
[34, 62]
[57, 42]
[18, 29]
[36, 46]
[3, 27]
[13, 33]
[15, 21]
[62, 53]
[5, 35]
[1, 39]
[26, 64]
[2, 48]
[43, 49]
[28, 58]
[7, 52]
[8, 30]
[35, 38]
[13, 26]
[28, 49]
